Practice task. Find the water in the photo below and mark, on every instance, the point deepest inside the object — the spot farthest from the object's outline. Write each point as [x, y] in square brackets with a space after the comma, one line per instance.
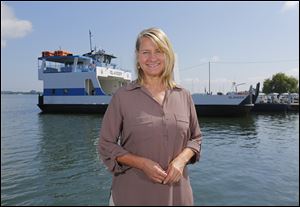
[53, 160]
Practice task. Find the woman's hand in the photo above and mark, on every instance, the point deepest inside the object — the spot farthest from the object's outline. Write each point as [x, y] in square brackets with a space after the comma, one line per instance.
[175, 171]
[176, 167]
[153, 170]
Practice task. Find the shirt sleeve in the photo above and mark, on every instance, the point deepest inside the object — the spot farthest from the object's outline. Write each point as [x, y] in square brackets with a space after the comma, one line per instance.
[196, 136]
[111, 128]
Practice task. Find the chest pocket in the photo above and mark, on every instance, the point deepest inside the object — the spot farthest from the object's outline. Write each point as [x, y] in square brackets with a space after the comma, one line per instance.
[182, 125]
[141, 127]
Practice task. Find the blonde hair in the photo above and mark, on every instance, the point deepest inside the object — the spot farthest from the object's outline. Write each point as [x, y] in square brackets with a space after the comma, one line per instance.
[161, 40]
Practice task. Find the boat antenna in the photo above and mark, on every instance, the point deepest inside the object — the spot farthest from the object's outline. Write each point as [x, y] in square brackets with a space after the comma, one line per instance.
[209, 77]
[90, 40]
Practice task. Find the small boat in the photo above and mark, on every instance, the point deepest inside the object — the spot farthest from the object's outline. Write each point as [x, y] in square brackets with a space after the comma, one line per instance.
[275, 102]
[291, 99]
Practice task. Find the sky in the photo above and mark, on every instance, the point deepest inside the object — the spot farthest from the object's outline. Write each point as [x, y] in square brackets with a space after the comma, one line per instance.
[245, 42]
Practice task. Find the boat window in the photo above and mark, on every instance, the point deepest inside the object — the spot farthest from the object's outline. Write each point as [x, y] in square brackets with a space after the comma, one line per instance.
[66, 91]
[53, 91]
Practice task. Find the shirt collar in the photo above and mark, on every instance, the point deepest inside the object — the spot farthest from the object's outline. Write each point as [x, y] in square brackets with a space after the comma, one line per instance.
[133, 85]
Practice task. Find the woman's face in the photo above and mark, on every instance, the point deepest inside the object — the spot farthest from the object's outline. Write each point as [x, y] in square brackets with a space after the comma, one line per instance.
[150, 58]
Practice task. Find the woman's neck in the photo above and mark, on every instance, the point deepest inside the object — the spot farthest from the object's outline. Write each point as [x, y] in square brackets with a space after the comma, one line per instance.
[154, 84]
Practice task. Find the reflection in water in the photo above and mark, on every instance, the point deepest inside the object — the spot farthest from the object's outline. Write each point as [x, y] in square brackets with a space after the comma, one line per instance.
[69, 158]
[251, 160]
[64, 137]
[227, 131]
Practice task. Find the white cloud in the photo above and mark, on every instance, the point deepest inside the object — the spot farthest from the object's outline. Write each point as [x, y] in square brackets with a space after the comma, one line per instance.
[11, 27]
[289, 5]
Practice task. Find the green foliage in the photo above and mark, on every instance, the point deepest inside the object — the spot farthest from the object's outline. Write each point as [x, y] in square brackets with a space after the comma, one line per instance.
[280, 83]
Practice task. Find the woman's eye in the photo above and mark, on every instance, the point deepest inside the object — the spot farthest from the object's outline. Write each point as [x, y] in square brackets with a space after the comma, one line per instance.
[145, 52]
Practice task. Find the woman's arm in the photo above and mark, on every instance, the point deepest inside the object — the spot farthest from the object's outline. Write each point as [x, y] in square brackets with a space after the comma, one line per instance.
[152, 169]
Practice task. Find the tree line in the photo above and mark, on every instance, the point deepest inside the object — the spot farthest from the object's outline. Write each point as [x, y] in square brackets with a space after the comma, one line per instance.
[281, 83]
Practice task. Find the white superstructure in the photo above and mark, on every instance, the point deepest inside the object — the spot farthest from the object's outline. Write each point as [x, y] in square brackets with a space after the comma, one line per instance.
[78, 79]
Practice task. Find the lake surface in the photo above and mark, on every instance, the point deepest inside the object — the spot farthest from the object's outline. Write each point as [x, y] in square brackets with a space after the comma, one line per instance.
[51, 159]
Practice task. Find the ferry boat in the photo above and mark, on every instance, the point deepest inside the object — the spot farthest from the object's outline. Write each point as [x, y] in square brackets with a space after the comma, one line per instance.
[78, 83]
[85, 84]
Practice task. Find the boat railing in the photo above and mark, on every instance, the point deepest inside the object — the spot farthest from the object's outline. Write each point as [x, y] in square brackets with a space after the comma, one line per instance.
[67, 69]
[50, 70]
[53, 67]
[107, 65]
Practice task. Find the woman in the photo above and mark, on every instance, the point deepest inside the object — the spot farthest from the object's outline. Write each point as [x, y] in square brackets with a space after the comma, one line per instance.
[150, 131]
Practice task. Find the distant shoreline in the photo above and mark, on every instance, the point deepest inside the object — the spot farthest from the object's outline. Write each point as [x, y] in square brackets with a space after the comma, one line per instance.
[32, 92]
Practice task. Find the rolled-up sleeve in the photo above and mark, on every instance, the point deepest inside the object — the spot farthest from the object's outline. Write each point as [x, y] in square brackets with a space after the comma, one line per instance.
[195, 139]
[111, 128]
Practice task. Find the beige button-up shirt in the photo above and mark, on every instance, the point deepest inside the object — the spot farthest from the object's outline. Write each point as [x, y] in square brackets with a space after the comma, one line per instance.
[136, 123]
